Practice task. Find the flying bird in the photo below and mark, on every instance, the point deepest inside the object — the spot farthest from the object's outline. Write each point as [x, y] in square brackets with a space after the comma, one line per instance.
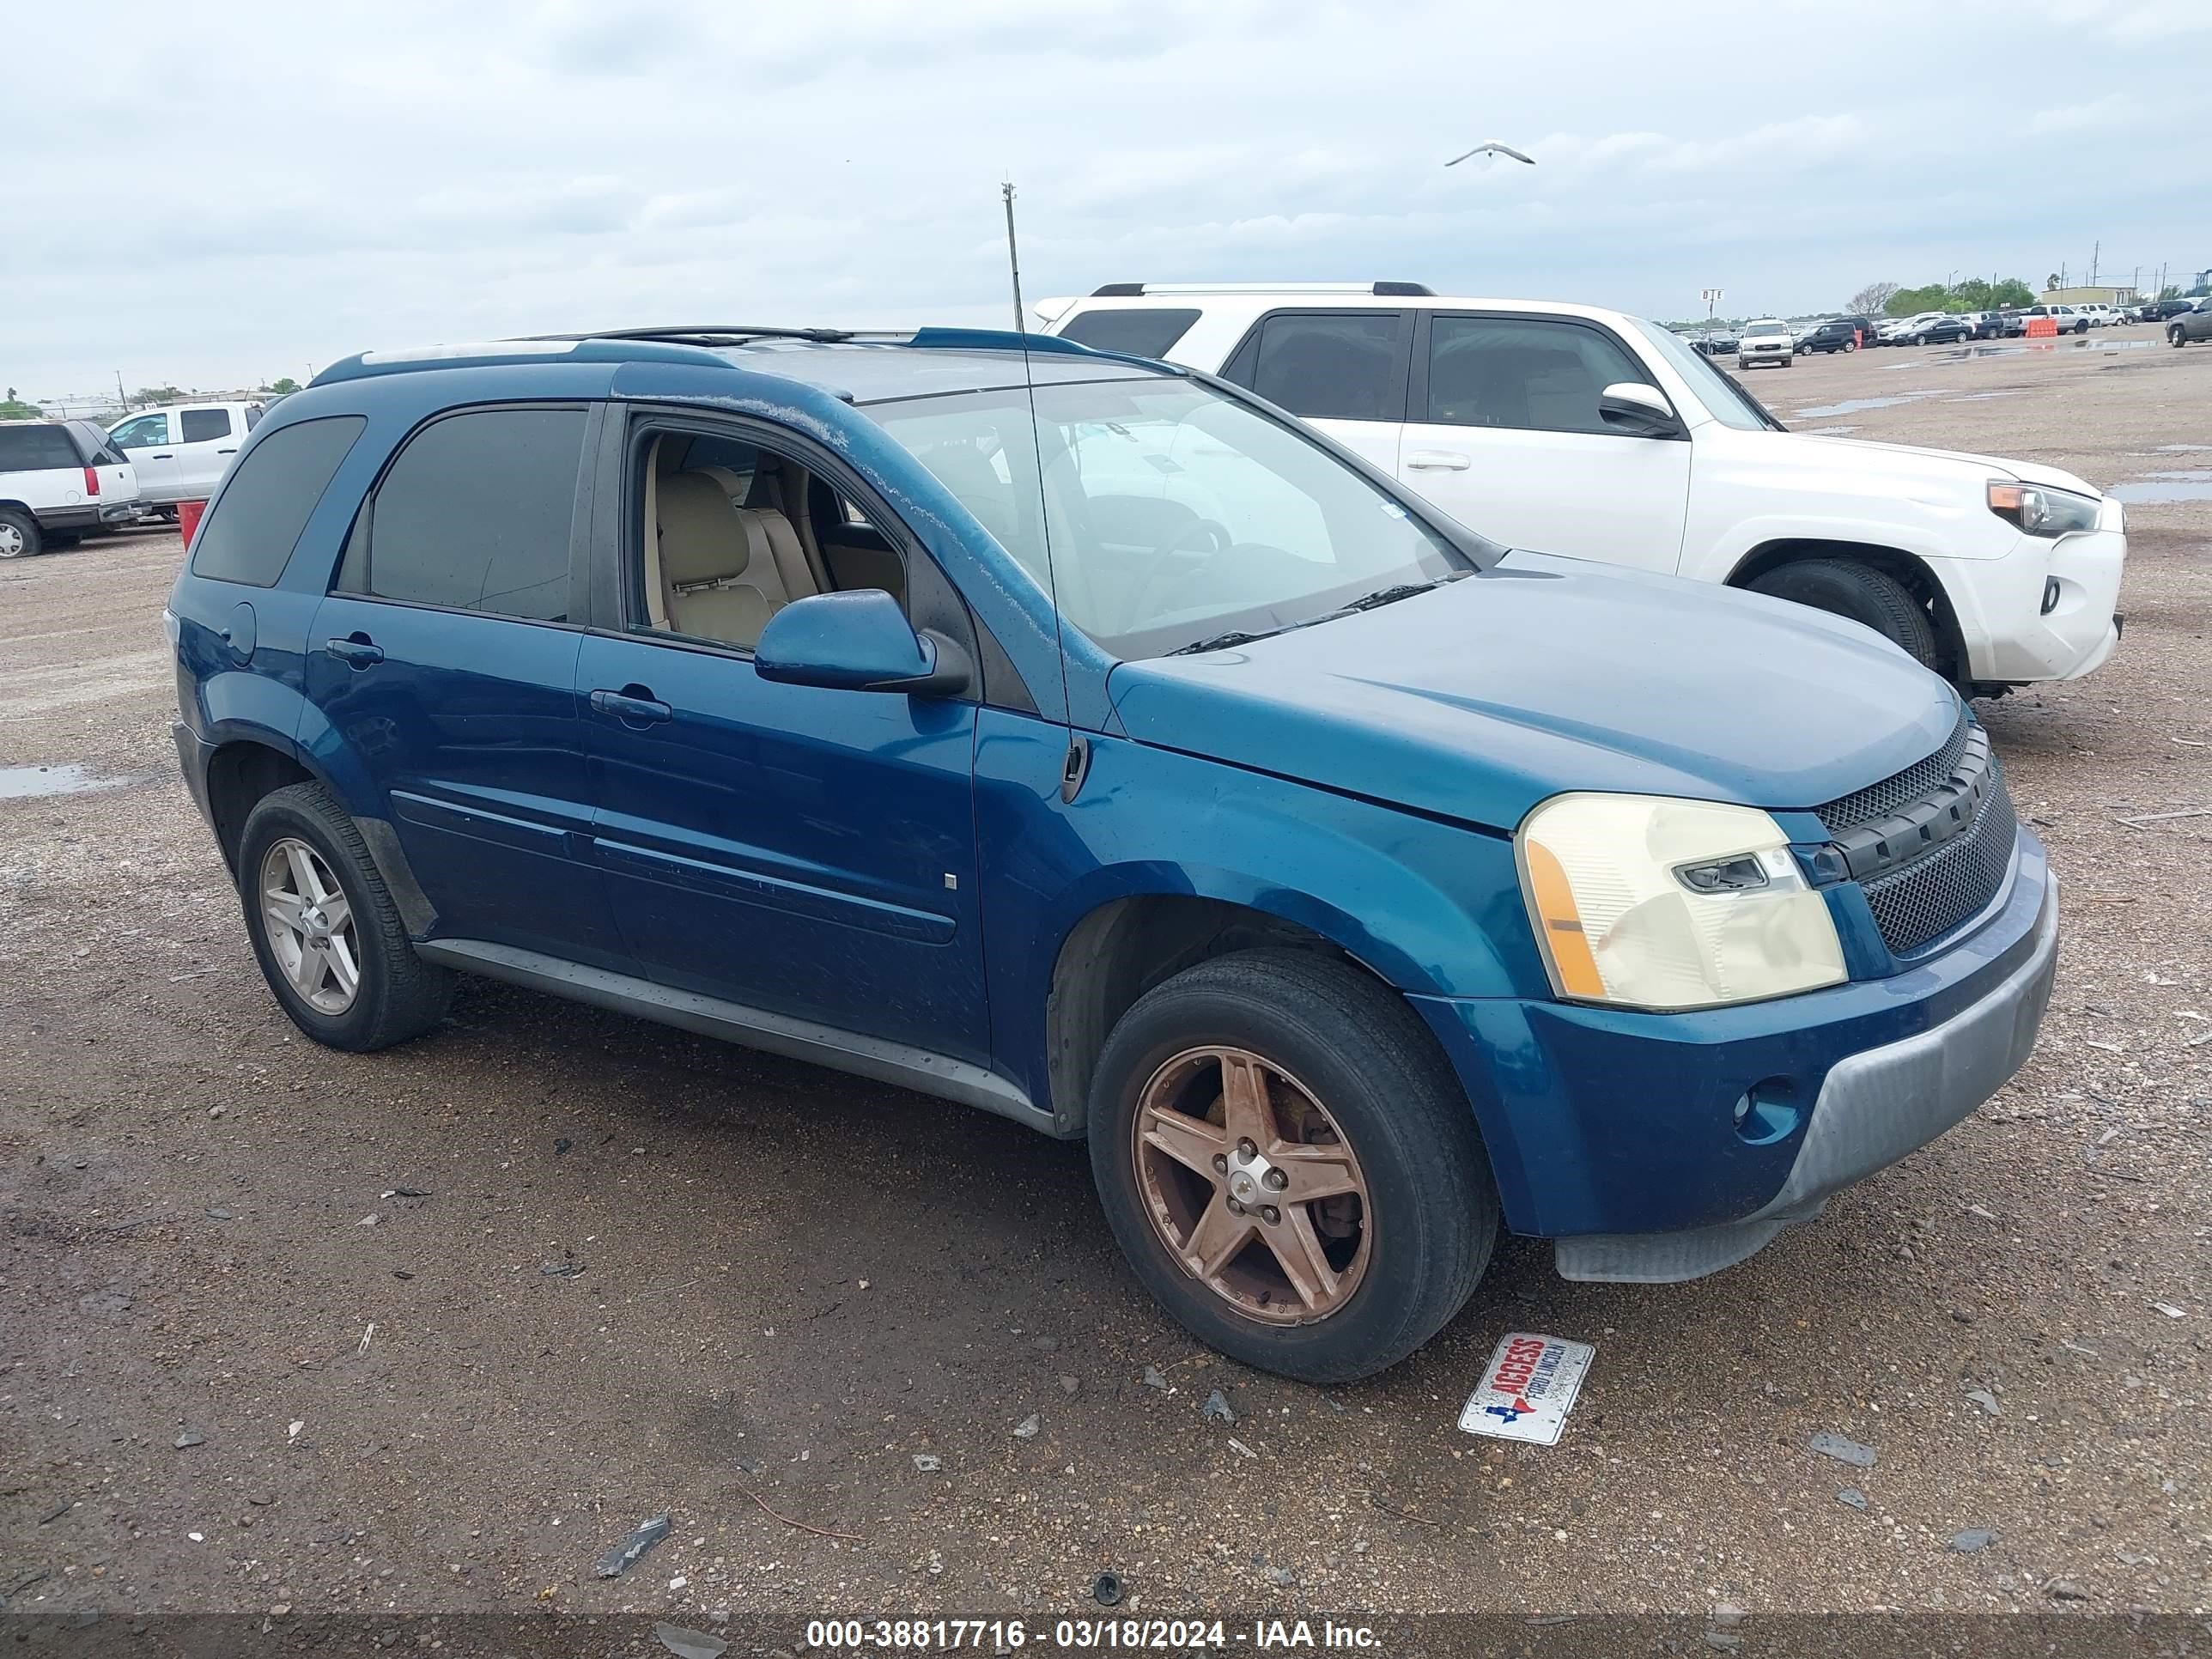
[1493, 148]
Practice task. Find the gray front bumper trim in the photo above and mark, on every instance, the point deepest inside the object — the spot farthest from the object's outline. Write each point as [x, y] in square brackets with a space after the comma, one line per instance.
[1875, 1106]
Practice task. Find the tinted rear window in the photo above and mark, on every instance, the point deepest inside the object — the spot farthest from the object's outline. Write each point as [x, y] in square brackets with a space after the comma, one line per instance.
[95, 446]
[202, 424]
[476, 515]
[250, 531]
[1345, 368]
[1139, 330]
[36, 449]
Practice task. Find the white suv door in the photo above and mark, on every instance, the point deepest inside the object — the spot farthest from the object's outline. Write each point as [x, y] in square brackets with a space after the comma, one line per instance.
[1506, 437]
[207, 437]
[150, 441]
[1343, 372]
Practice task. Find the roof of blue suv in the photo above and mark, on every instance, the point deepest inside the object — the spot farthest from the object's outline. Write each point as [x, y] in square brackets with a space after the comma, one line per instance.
[930, 361]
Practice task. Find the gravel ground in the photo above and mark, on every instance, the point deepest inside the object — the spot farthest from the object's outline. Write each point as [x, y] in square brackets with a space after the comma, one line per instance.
[431, 1329]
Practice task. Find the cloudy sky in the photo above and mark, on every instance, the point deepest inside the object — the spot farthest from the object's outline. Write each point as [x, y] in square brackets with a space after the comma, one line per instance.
[208, 196]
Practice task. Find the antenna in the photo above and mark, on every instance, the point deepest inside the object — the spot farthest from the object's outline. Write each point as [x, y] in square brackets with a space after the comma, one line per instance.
[1079, 751]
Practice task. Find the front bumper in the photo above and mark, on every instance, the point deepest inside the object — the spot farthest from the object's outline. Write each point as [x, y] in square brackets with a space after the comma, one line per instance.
[1621, 1135]
[1875, 1106]
[2009, 637]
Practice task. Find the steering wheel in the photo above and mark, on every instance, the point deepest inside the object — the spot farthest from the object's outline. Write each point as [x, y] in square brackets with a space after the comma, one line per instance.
[1178, 559]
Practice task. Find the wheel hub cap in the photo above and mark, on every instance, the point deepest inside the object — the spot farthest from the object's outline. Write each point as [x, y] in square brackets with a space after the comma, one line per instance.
[1251, 1185]
[309, 925]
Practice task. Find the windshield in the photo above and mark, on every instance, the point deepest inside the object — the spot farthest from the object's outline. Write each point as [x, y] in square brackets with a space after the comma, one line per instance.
[1176, 514]
[1767, 328]
[1727, 402]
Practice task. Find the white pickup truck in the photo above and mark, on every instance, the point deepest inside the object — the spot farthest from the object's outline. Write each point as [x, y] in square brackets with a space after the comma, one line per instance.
[181, 450]
[1572, 430]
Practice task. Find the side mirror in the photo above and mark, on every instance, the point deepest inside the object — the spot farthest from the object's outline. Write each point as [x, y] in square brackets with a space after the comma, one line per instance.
[1640, 411]
[858, 641]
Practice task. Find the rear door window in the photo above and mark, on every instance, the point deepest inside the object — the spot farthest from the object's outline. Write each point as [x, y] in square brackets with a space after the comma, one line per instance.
[476, 515]
[1140, 331]
[1334, 366]
[203, 425]
[1523, 373]
[255, 523]
[36, 448]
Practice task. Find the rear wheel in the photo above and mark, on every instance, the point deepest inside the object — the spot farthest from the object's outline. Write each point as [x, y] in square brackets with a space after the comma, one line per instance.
[1844, 588]
[1290, 1166]
[20, 536]
[1850, 345]
[329, 939]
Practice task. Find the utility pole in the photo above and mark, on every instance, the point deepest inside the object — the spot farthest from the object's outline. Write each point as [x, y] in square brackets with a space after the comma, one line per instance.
[119, 397]
[2096, 248]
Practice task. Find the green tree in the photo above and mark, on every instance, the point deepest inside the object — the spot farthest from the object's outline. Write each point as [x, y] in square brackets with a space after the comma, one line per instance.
[282, 383]
[157, 394]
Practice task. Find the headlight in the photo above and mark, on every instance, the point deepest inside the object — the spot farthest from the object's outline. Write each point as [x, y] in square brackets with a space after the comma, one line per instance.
[2042, 512]
[1669, 904]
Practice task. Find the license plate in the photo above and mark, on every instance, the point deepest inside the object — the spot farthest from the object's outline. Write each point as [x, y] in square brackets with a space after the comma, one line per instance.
[1528, 1389]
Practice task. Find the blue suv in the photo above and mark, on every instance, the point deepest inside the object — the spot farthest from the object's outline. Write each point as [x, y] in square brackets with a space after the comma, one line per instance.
[1084, 740]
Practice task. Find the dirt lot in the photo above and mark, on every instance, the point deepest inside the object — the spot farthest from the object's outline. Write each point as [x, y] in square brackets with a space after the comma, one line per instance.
[277, 1326]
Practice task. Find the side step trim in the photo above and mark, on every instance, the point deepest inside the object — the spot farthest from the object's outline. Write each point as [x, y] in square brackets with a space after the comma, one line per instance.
[754, 1028]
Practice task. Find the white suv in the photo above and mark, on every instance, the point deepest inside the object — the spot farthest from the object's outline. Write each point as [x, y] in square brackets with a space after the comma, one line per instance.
[1568, 428]
[1769, 340]
[60, 479]
[181, 450]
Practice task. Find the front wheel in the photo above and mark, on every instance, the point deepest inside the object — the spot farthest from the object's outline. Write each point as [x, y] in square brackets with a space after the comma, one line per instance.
[1866, 595]
[1290, 1166]
[2177, 336]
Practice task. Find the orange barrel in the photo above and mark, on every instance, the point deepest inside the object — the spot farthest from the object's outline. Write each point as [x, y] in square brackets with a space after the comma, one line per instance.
[2042, 328]
[188, 519]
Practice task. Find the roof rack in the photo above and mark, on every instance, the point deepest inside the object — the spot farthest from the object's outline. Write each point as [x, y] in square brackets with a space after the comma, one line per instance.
[711, 334]
[1138, 290]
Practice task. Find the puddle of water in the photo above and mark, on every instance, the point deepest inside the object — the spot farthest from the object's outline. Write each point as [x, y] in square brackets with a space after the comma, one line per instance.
[28, 782]
[2184, 449]
[2162, 494]
[1981, 396]
[1856, 405]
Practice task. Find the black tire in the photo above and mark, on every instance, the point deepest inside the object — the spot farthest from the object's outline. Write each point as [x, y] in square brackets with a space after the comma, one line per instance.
[2178, 335]
[1850, 345]
[399, 995]
[26, 538]
[1845, 588]
[1361, 1051]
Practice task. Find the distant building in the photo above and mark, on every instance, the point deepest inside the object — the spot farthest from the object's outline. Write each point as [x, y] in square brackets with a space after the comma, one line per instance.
[2110, 295]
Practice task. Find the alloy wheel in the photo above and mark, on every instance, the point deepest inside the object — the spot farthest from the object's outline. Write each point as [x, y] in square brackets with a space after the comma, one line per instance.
[310, 925]
[12, 545]
[1251, 1185]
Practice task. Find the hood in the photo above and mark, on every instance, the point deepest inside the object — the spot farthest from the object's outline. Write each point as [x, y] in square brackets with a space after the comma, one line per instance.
[1477, 700]
[1941, 466]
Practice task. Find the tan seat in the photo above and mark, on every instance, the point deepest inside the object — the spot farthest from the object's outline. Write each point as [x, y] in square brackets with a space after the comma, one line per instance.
[717, 562]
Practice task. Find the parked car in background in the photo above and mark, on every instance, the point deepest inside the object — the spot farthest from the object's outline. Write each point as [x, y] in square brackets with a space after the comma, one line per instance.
[1358, 889]
[2068, 320]
[1717, 342]
[2193, 324]
[2098, 315]
[1579, 430]
[60, 480]
[2007, 324]
[1894, 330]
[1767, 341]
[2157, 311]
[180, 450]
[1939, 329]
[1836, 334]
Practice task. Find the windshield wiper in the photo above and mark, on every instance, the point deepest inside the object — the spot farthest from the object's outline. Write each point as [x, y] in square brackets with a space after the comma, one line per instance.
[1222, 642]
[1385, 596]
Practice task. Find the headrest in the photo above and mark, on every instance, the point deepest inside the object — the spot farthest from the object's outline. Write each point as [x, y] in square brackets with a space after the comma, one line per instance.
[702, 538]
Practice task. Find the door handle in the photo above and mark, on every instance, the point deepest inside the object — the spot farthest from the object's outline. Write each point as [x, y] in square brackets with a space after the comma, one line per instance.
[162, 458]
[634, 706]
[355, 653]
[233, 450]
[1436, 460]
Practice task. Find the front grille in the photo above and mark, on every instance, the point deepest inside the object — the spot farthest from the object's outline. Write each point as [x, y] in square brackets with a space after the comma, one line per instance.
[1879, 800]
[1932, 895]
